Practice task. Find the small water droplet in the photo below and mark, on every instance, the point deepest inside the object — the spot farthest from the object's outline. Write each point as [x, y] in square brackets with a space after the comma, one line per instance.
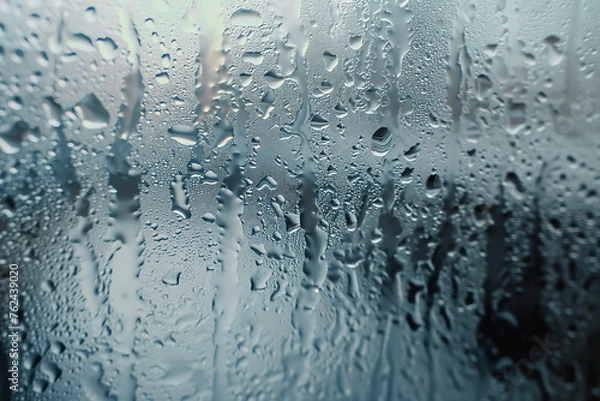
[515, 116]
[53, 112]
[406, 176]
[90, 14]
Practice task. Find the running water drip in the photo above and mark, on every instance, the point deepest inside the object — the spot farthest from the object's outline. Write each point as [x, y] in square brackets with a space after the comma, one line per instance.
[231, 208]
[125, 261]
[133, 86]
[457, 73]
[569, 119]
[179, 195]
[89, 275]
[314, 267]
[208, 16]
[62, 165]
[124, 205]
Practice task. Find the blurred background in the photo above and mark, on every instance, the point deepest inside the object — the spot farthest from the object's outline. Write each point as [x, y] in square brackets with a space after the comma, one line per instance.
[301, 200]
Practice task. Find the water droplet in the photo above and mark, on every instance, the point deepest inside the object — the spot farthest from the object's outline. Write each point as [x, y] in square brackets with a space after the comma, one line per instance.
[433, 186]
[162, 78]
[273, 80]
[381, 141]
[53, 112]
[12, 139]
[244, 17]
[515, 116]
[181, 205]
[356, 42]
[209, 217]
[267, 182]
[292, 222]
[184, 134]
[15, 103]
[255, 58]
[171, 277]
[483, 85]
[406, 176]
[107, 48]
[331, 60]
[555, 55]
[260, 278]
[90, 14]
[82, 42]
[91, 112]
[412, 153]
[319, 123]
[514, 185]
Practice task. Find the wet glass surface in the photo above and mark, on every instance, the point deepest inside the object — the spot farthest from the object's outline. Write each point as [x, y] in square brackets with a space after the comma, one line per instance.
[300, 200]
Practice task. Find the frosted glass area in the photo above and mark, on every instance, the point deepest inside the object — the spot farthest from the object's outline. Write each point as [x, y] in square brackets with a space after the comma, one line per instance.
[300, 200]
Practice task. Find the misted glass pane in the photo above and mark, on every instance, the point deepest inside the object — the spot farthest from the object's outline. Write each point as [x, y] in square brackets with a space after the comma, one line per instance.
[300, 200]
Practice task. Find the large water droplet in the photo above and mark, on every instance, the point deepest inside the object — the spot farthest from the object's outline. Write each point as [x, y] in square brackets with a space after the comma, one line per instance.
[107, 48]
[433, 186]
[244, 17]
[171, 277]
[12, 139]
[181, 205]
[381, 141]
[91, 112]
[184, 134]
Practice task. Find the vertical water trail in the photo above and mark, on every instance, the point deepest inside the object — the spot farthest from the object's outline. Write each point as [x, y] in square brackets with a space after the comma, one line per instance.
[314, 265]
[231, 208]
[124, 210]
[133, 86]
[573, 42]
[208, 15]
[446, 245]
[457, 72]
[88, 273]
[64, 171]
[567, 122]
[179, 197]
[211, 72]
[382, 374]
[62, 165]
[401, 38]
[512, 56]
[126, 261]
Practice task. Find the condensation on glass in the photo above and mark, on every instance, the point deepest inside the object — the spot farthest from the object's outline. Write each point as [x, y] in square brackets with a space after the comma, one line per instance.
[302, 200]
